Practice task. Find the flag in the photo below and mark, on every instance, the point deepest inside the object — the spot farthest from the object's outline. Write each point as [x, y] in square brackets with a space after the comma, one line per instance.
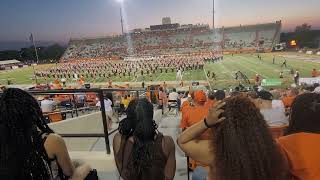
[31, 37]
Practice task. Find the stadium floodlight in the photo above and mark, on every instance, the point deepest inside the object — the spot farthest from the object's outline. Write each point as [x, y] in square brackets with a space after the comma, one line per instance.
[121, 20]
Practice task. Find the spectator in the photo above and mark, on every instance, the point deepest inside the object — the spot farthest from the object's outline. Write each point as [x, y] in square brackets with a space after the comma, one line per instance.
[317, 88]
[272, 111]
[125, 101]
[29, 148]
[195, 113]
[314, 73]
[108, 109]
[162, 97]
[141, 152]
[287, 101]
[211, 99]
[301, 144]
[48, 105]
[185, 97]
[173, 98]
[242, 147]
[191, 115]
[220, 95]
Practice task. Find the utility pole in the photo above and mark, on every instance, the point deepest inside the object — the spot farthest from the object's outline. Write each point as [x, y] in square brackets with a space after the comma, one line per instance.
[213, 14]
[121, 20]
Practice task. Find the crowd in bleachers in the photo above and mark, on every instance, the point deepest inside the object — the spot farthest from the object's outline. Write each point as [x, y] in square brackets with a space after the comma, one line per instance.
[181, 40]
[240, 135]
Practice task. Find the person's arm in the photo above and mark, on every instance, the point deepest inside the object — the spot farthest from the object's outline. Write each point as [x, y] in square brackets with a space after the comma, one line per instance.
[200, 150]
[116, 149]
[170, 168]
[56, 147]
[116, 143]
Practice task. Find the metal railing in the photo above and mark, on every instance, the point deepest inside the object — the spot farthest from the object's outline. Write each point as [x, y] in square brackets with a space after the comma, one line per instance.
[100, 96]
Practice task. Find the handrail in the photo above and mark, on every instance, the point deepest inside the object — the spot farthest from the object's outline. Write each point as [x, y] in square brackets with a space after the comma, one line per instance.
[103, 112]
[73, 91]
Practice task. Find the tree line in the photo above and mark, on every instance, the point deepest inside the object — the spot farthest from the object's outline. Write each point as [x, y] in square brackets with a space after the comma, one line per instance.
[47, 54]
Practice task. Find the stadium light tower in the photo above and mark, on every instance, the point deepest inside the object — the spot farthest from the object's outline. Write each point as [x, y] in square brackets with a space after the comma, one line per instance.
[213, 14]
[121, 17]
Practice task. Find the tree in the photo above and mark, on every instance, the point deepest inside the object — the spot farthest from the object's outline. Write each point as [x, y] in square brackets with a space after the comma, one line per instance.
[303, 35]
[54, 51]
[303, 28]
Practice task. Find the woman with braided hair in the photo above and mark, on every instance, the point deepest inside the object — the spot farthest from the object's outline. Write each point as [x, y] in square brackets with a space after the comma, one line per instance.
[242, 147]
[29, 149]
[141, 152]
[301, 145]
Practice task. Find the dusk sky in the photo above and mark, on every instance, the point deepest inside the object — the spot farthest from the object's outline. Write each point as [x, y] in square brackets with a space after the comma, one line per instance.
[58, 20]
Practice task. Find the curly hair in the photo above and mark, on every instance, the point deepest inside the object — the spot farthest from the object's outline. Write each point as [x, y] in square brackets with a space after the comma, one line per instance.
[22, 154]
[305, 113]
[140, 125]
[244, 147]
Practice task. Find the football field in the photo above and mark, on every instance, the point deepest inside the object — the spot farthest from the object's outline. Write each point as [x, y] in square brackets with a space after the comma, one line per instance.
[225, 70]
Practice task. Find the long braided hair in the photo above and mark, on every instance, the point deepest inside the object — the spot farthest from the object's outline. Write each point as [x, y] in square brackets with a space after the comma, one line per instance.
[22, 154]
[244, 147]
[140, 125]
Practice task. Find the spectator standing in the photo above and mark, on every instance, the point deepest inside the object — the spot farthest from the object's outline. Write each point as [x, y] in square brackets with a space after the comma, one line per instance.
[48, 105]
[108, 109]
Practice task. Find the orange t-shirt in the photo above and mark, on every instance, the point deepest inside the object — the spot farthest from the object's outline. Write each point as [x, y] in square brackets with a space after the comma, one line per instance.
[192, 115]
[184, 105]
[287, 101]
[303, 154]
[314, 73]
[148, 96]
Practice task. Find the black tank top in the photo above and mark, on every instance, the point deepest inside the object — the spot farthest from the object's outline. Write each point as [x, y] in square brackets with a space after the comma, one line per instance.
[124, 161]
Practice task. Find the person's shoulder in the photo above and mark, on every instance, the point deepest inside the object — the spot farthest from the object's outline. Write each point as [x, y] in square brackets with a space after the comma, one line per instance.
[168, 139]
[54, 137]
[54, 143]
[168, 142]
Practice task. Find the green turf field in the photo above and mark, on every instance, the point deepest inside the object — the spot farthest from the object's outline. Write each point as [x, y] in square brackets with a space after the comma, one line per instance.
[224, 70]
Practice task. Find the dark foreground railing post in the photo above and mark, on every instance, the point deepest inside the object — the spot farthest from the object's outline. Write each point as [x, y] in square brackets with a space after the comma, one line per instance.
[75, 104]
[104, 121]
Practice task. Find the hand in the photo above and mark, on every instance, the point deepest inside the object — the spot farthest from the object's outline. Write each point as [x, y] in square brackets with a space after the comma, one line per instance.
[214, 113]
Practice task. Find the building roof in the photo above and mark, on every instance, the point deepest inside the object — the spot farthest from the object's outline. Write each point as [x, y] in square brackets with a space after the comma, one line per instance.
[6, 62]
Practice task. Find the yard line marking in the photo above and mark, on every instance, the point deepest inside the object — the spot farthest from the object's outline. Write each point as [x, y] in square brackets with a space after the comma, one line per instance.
[263, 75]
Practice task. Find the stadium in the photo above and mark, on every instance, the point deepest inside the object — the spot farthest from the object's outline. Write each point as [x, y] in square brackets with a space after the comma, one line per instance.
[167, 101]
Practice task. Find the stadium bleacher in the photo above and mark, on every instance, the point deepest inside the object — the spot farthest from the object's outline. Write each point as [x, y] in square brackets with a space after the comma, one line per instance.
[183, 39]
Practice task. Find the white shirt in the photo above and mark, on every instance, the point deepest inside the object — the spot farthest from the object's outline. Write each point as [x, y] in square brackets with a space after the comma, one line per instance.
[276, 115]
[48, 106]
[173, 96]
[317, 90]
[107, 105]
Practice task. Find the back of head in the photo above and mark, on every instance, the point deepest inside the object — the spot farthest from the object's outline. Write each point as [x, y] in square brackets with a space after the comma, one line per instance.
[140, 125]
[265, 95]
[109, 96]
[244, 147]
[21, 149]
[305, 114]
[220, 95]
[211, 95]
[174, 90]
